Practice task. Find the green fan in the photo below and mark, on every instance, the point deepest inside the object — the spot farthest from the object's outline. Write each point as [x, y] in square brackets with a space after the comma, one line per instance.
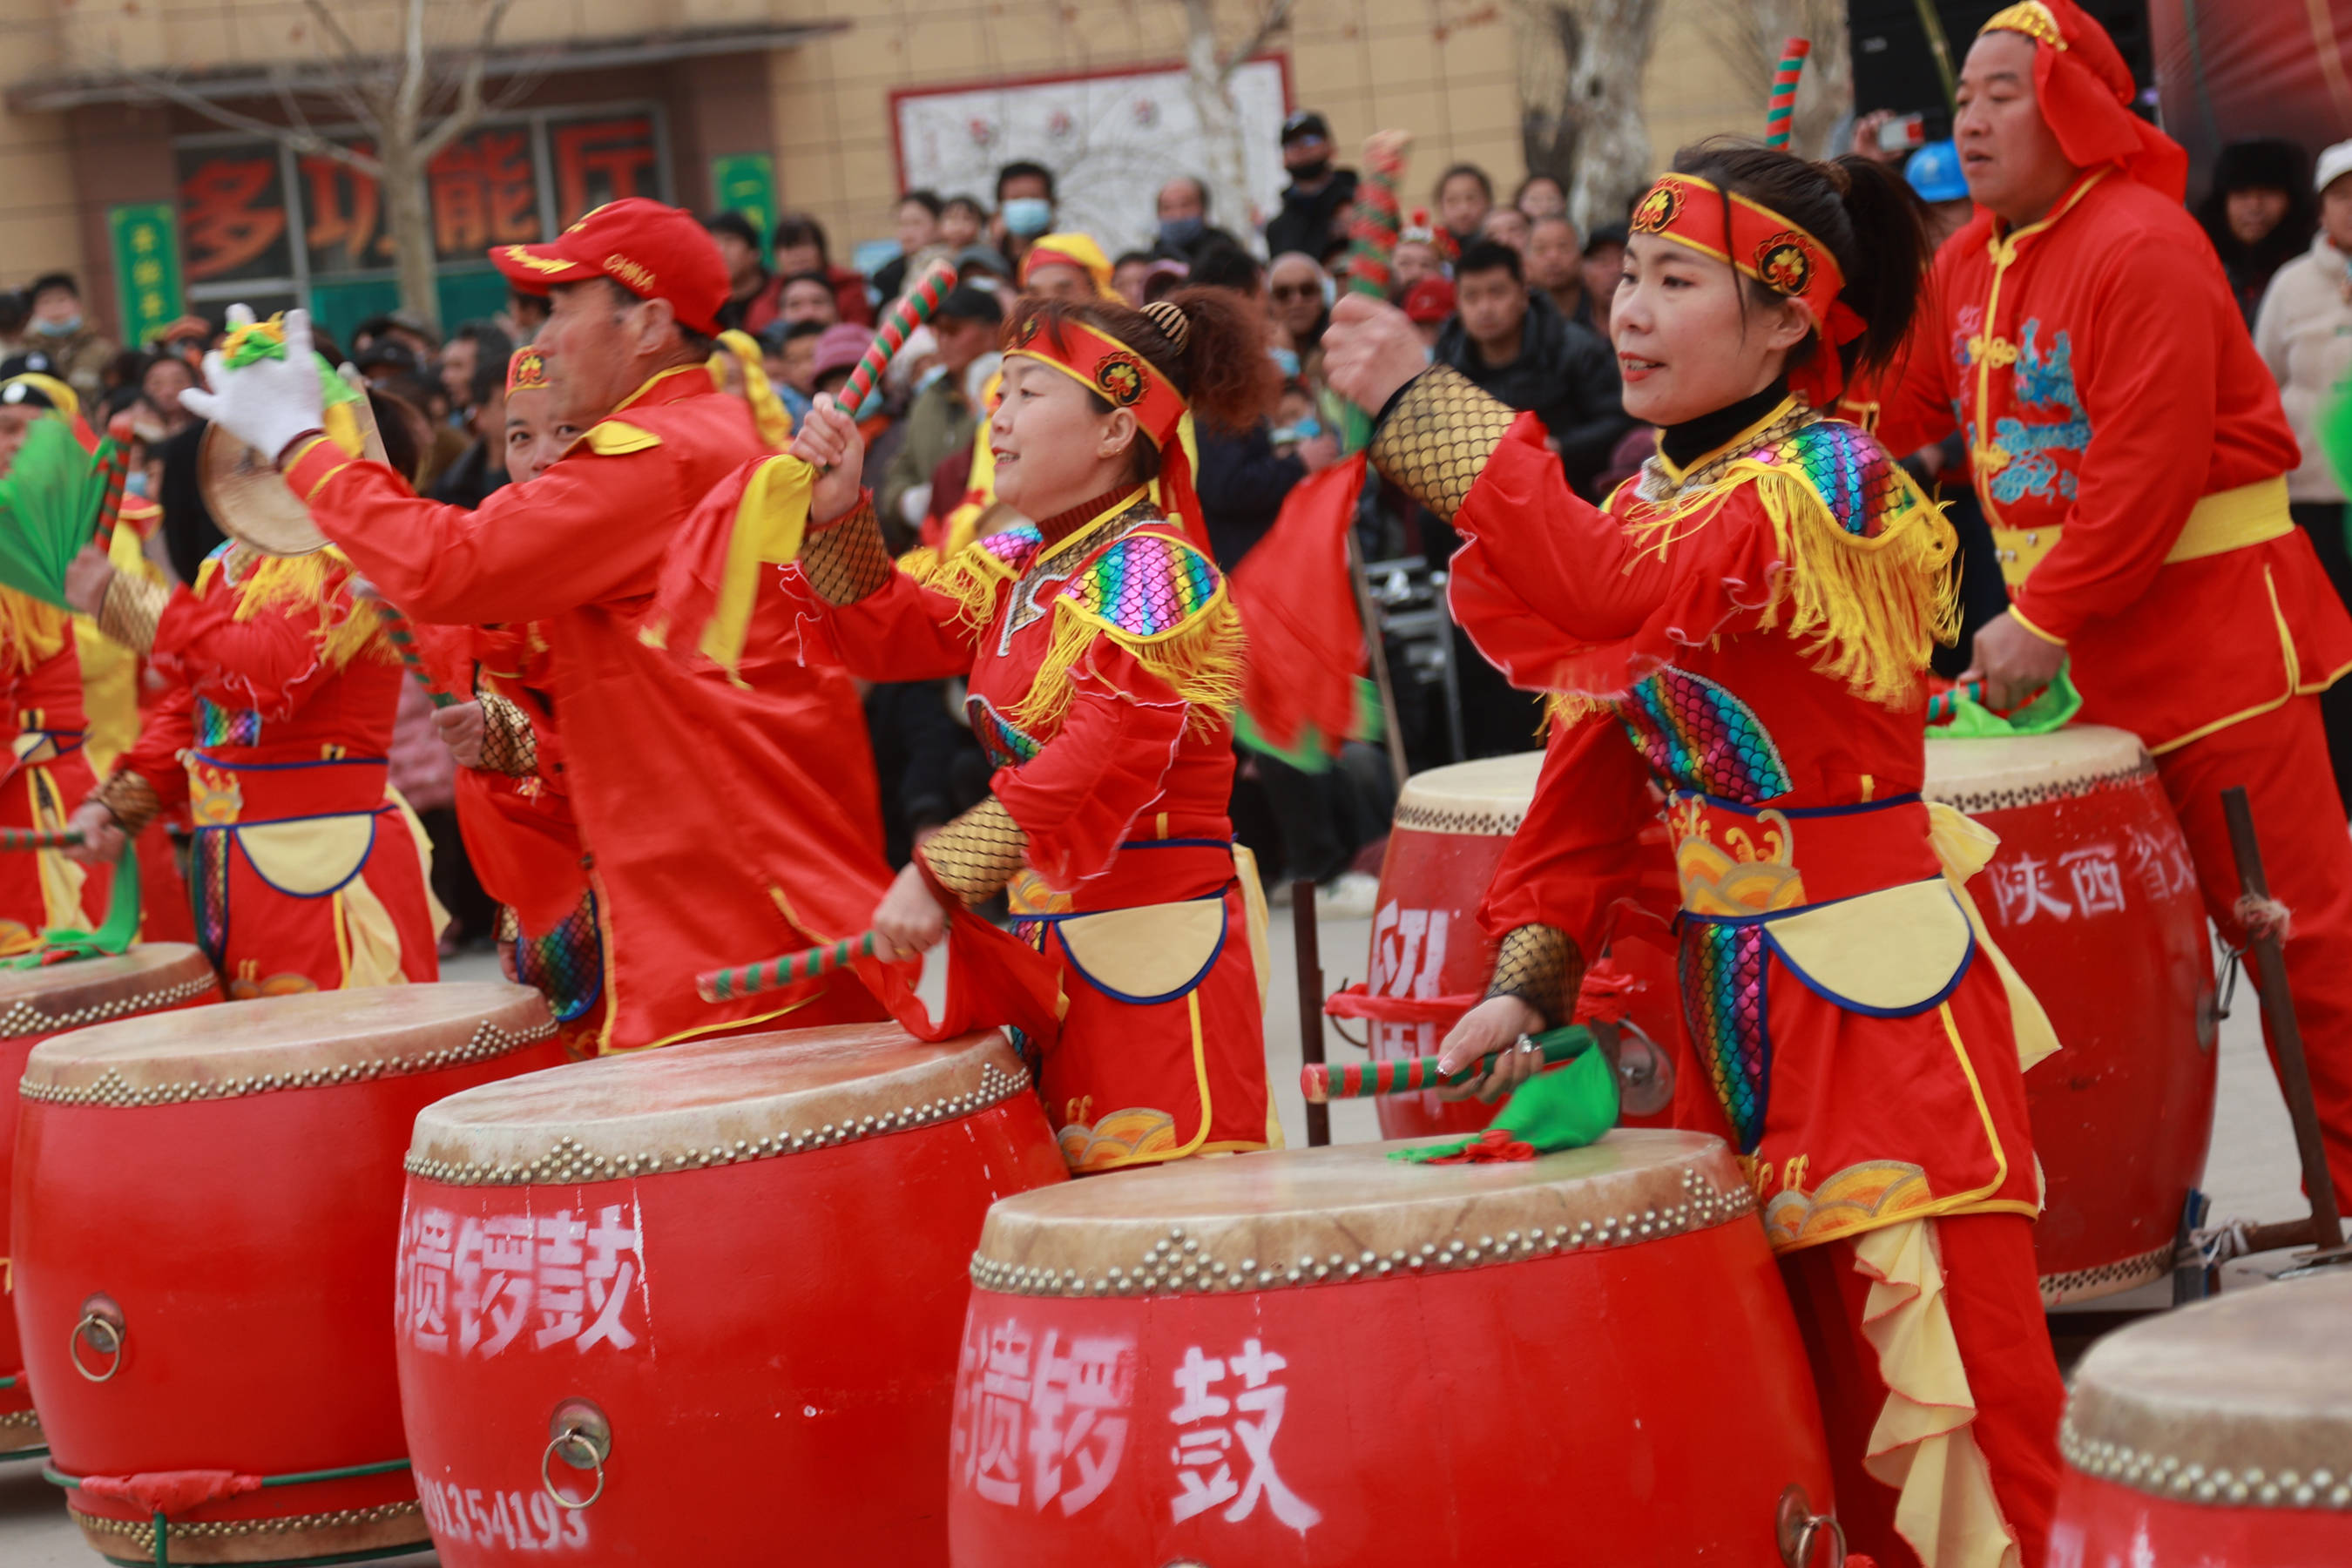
[50, 499]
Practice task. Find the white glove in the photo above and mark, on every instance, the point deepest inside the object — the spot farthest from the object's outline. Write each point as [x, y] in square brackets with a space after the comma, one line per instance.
[269, 402]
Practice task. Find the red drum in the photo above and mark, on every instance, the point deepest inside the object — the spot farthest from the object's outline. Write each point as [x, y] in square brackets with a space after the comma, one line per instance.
[2093, 900]
[1323, 1356]
[2216, 1437]
[35, 1004]
[701, 1305]
[205, 1214]
[1429, 959]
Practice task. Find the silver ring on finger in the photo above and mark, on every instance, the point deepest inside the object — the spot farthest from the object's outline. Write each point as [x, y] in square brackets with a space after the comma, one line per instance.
[1527, 1047]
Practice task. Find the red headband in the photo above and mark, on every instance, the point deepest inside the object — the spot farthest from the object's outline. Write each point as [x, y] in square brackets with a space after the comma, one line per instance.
[525, 372]
[1697, 213]
[1125, 379]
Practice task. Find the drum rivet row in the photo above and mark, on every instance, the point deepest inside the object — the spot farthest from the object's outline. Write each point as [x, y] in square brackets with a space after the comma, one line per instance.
[1176, 1266]
[2147, 1471]
[567, 1160]
[23, 1018]
[488, 1042]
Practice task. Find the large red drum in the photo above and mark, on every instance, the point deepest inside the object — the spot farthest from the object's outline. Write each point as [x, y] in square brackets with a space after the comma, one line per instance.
[2093, 898]
[2216, 1437]
[701, 1305]
[35, 1004]
[205, 1214]
[1429, 957]
[1324, 1356]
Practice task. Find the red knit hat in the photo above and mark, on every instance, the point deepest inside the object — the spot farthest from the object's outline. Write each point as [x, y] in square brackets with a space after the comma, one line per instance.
[2086, 91]
[654, 251]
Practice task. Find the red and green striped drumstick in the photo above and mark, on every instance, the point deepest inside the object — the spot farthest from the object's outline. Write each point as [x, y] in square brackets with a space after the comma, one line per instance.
[1944, 704]
[116, 469]
[1320, 1082]
[1781, 110]
[726, 984]
[38, 838]
[1372, 236]
[918, 305]
[403, 642]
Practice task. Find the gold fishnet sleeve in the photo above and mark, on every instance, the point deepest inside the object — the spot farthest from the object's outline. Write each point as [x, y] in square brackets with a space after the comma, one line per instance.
[509, 745]
[129, 613]
[977, 854]
[1540, 965]
[1437, 438]
[846, 559]
[132, 800]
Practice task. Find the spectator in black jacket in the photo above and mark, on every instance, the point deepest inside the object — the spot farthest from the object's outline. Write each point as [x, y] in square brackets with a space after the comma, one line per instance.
[1184, 230]
[1519, 348]
[1318, 193]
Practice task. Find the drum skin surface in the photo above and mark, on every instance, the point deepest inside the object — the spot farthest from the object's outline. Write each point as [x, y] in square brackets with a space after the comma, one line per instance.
[761, 1288]
[1324, 1357]
[1451, 826]
[38, 1004]
[2093, 898]
[2218, 1436]
[230, 1183]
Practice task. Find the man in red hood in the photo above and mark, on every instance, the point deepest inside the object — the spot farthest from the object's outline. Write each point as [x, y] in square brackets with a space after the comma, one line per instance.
[2130, 449]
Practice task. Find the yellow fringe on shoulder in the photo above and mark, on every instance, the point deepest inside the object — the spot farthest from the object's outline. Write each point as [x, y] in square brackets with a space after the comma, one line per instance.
[30, 630]
[1202, 660]
[1869, 610]
[299, 580]
[971, 576]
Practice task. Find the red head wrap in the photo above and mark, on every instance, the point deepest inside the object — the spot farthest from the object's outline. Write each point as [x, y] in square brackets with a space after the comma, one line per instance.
[1765, 246]
[1125, 379]
[2086, 91]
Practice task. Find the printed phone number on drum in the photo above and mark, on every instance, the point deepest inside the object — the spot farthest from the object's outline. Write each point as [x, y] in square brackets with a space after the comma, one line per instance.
[473, 1516]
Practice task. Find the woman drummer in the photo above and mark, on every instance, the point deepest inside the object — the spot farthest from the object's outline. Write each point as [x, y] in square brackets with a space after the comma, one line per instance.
[1104, 657]
[1744, 628]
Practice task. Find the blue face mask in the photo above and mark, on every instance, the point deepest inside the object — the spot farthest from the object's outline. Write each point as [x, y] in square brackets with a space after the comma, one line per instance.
[1288, 360]
[1180, 231]
[135, 484]
[1028, 217]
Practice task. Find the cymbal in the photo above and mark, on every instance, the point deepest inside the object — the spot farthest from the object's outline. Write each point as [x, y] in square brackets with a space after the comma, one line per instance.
[248, 497]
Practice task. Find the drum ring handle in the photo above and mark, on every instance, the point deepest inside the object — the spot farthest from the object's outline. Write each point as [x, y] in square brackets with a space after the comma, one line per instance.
[1807, 1536]
[99, 1317]
[1799, 1530]
[579, 1428]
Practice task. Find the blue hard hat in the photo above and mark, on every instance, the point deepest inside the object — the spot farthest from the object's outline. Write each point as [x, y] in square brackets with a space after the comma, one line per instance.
[1933, 173]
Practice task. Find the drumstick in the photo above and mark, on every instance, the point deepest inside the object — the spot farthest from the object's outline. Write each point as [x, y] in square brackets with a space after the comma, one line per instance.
[1320, 1082]
[1372, 235]
[726, 985]
[39, 837]
[117, 471]
[1781, 109]
[1944, 704]
[916, 306]
[404, 643]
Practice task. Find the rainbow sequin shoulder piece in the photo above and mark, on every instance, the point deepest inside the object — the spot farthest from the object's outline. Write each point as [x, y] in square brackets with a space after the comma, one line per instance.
[1697, 735]
[1866, 491]
[972, 574]
[1007, 744]
[1163, 600]
[1011, 548]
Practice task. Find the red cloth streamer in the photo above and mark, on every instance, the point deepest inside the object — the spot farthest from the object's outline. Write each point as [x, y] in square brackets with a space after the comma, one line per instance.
[170, 1493]
[1356, 1002]
[1494, 1146]
[917, 306]
[1606, 994]
[1299, 600]
[1781, 110]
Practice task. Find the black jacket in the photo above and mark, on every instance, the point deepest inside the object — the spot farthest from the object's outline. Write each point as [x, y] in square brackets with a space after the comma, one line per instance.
[1242, 485]
[1564, 374]
[1304, 224]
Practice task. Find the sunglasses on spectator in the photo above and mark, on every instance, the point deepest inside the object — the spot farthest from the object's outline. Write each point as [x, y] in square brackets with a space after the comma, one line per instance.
[1297, 291]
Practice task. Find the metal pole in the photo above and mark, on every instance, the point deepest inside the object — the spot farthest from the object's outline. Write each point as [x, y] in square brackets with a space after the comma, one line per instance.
[1376, 648]
[1310, 1001]
[2326, 1229]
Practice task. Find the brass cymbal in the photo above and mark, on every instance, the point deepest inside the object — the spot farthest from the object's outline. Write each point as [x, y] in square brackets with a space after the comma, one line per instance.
[249, 499]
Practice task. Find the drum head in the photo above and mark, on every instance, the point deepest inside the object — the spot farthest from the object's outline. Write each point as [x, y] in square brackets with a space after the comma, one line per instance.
[1488, 796]
[243, 490]
[303, 1041]
[709, 1102]
[2244, 1400]
[149, 978]
[1299, 1216]
[2001, 774]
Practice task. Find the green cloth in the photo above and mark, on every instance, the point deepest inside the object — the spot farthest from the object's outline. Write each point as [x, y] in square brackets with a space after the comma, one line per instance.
[49, 505]
[114, 935]
[260, 342]
[1566, 1108]
[1309, 755]
[2053, 708]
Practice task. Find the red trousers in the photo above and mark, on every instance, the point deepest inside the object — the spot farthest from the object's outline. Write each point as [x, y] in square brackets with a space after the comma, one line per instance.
[1994, 1300]
[2281, 759]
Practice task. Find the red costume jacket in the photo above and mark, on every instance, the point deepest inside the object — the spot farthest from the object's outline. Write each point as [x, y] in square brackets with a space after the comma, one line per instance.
[2130, 452]
[41, 703]
[725, 821]
[306, 873]
[1745, 638]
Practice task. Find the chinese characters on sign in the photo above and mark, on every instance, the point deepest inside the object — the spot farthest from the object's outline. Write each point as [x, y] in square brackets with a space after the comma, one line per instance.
[1408, 958]
[483, 1285]
[233, 214]
[146, 268]
[1042, 1421]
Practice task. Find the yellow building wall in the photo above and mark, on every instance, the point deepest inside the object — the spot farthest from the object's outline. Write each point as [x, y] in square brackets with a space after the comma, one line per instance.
[38, 223]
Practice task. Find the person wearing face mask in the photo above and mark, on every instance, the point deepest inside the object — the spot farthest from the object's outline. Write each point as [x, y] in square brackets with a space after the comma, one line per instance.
[1184, 229]
[1746, 629]
[1024, 208]
[1318, 193]
[57, 325]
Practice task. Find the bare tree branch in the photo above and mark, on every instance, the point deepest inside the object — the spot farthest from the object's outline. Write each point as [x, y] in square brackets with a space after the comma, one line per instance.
[356, 88]
[467, 111]
[354, 60]
[1277, 13]
[302, 141]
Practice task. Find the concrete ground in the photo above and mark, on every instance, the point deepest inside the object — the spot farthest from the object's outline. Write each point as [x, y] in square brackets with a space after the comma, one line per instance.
[2252, 1173]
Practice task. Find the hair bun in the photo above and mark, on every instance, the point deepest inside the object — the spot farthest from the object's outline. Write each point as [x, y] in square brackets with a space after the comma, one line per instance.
[1170, 318]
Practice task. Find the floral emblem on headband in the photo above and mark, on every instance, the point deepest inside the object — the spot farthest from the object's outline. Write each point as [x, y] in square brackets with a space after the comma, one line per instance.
[1784, 264]
[1658, 209]
[1025, 333]
[1120, 378]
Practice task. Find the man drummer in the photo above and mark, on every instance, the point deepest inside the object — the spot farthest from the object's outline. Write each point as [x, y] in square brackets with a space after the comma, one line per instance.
[2129, 450]
[791, 856]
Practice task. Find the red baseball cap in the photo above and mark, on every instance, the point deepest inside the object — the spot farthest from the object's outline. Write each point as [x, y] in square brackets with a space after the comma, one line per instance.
[1431, 299]
[654, 251]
